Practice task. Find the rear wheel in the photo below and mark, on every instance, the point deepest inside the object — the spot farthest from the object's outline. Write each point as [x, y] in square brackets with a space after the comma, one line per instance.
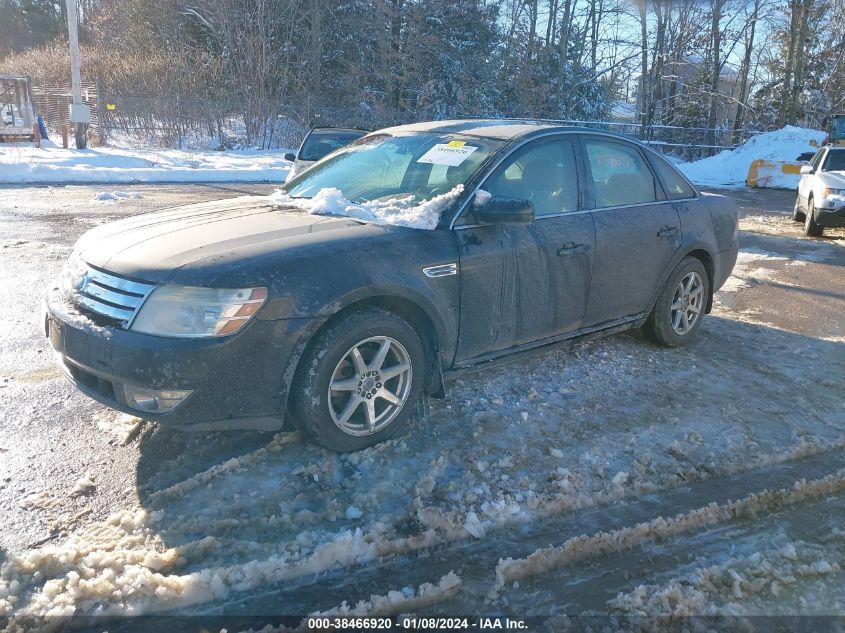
[679, 308]
[811, 229]
[797, 213]
[360, 381]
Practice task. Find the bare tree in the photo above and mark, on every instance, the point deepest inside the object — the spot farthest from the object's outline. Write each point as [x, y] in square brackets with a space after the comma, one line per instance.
[745, 69]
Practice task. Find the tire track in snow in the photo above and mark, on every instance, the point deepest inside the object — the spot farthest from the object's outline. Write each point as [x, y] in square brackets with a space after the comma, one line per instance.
[475, 560]
[277, 444]
[210, 578]
[759, 578]
[599, 544]
[591, 586]
[140, 573]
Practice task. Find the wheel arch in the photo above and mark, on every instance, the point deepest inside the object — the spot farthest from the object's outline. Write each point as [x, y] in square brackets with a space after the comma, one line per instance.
[427, 327]
[423, 324]
[709, 265]
[700, 253]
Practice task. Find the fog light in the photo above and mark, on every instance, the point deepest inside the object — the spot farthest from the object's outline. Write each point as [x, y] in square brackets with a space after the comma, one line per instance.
[154, 400]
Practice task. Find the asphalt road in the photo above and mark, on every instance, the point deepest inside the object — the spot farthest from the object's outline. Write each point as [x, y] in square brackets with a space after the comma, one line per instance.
[51, 437]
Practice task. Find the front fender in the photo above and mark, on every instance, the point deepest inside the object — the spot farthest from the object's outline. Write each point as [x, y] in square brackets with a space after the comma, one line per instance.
[443, 320]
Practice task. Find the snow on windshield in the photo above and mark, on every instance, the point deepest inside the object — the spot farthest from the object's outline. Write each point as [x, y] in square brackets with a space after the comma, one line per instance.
[398, 210]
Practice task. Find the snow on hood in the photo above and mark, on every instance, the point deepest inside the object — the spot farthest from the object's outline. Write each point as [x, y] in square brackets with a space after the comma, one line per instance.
[398, 210]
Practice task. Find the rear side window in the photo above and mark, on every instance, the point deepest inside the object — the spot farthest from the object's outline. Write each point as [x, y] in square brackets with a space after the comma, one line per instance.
[676, 187]
[621, 175]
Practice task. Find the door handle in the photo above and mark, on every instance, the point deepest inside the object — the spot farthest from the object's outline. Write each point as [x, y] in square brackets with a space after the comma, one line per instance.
[667, 231]
[575, 249]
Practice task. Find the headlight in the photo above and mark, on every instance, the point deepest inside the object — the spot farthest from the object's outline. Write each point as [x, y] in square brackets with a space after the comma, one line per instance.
[188, 312]
[827, 191]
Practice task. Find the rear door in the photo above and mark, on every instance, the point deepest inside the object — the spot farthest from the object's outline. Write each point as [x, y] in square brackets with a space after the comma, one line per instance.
[522, 283]
[637, 230]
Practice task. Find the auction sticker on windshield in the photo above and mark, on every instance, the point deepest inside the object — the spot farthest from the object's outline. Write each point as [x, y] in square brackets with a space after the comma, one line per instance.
[447, 154]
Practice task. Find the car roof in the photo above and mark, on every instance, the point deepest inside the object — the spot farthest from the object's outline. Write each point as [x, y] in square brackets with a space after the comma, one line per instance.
[328, 128]
[499, 129]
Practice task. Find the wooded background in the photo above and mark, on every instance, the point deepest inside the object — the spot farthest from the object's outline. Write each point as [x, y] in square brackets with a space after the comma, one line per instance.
[717, 66]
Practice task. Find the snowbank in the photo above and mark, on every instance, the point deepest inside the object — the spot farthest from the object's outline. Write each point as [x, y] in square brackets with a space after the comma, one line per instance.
[400, 210]
[730, 167]
[51, 164]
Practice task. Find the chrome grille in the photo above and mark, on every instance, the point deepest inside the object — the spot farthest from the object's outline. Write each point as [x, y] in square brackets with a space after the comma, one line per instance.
[110, 296]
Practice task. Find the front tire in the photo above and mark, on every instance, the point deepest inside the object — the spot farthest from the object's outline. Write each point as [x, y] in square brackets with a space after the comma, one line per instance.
[679, 308]
[797, 213]
[359, 382]
[811, 229]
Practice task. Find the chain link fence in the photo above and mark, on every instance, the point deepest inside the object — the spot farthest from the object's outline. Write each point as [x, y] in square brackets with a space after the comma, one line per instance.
[221, 123]
[687, 143]
[52, 101]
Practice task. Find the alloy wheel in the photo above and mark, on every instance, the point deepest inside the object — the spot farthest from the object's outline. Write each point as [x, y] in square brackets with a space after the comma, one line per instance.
[687, 303]
[370, 385]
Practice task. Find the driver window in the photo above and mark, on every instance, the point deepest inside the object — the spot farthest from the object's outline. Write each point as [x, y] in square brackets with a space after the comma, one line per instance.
[543, 172]
[444, 178]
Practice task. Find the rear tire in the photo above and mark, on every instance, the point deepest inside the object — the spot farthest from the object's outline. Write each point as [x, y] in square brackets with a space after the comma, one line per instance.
[797, 213]
[679, 308]
[811, 229]
[359, 382]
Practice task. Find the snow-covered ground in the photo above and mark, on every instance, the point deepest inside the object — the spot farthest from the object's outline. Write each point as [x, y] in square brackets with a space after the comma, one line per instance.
[23, 163]
[730, 167]
[612, 477]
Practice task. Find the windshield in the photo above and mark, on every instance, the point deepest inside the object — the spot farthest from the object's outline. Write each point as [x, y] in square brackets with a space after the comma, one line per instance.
[416, 166]
[835, 161]
[321, 143]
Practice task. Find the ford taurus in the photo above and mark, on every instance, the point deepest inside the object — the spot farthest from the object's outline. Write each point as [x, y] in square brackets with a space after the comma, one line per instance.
[411, 254]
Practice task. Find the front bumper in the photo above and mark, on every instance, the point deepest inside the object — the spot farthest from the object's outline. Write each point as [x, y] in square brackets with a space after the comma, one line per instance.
[830, 216]
[236, 381]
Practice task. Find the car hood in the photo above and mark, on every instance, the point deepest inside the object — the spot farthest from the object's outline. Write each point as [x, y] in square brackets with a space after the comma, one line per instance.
[210, 236]
[833, 179]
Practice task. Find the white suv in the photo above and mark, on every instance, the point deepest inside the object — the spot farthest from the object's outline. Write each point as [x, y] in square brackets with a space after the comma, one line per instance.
[821, 192]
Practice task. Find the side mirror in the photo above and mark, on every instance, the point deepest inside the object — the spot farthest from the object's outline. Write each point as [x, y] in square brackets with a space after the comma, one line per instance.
[290, 157]
[502, 210]
[806, 170]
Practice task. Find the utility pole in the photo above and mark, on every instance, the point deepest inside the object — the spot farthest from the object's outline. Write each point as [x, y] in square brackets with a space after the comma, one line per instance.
[80, 114]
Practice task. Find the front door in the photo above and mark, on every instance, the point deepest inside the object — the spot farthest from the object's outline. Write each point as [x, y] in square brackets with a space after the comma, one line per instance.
[805, 185]
[522, 283]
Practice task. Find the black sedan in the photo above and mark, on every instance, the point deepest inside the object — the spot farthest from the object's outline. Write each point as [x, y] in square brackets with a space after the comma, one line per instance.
[413, 253]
